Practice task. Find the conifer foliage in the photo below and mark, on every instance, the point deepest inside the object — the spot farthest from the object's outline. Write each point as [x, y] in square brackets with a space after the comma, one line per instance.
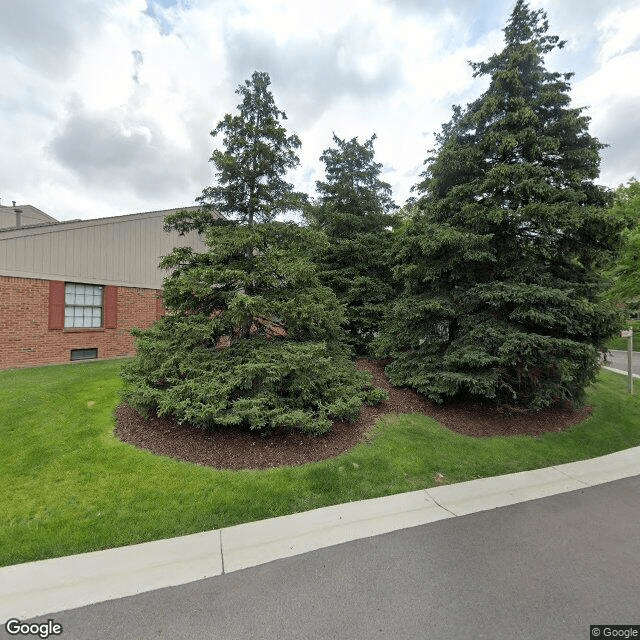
[353, 209]
[251, 338]
[250, 168]
[501, 266]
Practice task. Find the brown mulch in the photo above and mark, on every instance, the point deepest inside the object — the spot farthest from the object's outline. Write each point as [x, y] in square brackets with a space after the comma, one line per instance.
[227, 448]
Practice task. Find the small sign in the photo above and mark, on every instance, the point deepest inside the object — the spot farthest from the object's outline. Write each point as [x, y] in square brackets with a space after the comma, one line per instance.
[628, 333]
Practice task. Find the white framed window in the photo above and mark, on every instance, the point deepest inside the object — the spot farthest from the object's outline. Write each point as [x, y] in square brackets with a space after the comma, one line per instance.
[83, 306]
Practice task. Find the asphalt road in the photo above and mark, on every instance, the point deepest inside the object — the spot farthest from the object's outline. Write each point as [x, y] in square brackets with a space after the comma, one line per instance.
[618, 360]
[543, 569]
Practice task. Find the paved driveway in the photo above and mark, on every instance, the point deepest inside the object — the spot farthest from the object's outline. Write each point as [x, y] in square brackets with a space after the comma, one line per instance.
[541, 569]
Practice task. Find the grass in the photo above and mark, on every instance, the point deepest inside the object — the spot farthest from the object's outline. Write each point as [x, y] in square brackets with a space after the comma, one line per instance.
[70, 486]
[621, 344]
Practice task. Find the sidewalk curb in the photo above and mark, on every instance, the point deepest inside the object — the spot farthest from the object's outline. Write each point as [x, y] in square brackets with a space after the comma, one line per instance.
[624, 373]
[36, 588]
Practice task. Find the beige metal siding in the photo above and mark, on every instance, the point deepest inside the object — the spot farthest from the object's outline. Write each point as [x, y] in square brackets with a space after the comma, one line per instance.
[122, 251]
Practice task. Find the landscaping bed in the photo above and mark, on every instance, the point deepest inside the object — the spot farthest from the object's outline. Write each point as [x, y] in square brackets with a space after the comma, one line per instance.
[234, 448]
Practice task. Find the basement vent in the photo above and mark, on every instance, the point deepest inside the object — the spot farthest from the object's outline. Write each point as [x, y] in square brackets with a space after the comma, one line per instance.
[84, 354]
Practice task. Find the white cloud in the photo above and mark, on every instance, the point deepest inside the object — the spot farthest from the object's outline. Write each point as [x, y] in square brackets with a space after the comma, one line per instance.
[614, 78]
[50, 36]
[619, 32]
[107, 110]
[611, 94]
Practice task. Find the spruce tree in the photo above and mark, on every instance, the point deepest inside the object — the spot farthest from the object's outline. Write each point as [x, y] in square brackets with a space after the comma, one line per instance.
[353, 210]
[252, 338]
[501, 267]
[250, 168]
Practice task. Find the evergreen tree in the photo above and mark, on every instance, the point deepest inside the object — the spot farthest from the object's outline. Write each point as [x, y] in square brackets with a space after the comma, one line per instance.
[249, 171]
[353, 209]
[501, 267]
[252, 339]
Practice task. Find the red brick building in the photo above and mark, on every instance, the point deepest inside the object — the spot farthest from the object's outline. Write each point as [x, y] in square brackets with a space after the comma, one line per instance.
[74, 290]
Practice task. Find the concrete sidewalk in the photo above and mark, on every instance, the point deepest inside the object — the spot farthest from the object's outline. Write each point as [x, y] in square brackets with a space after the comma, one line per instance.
[624, 373]
[35, 588]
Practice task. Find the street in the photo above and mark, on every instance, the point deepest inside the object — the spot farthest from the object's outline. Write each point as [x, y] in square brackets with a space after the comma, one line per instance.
[541, 569]
[618, 360]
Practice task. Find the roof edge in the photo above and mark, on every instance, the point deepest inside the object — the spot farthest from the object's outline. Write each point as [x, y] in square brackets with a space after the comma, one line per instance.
[49, 226]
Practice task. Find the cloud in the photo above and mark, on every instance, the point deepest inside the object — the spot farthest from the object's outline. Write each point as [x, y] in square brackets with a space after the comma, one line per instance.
[581, 29]
[315, 73]
[472, 17]
[430, 8]
[117, 149]
[162, 11]
[47, 35]
[569, 22]
[155, 76]
[619, 33]
[137, 63]
[621, 131]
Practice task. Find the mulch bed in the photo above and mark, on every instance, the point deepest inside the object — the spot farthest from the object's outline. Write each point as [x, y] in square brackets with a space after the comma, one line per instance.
[242, 449]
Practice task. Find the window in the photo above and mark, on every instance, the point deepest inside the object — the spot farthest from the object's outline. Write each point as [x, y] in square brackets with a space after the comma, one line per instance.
[82, 305]
[84, 354]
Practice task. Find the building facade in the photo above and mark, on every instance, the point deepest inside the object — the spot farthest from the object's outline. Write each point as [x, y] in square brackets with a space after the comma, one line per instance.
[74, 290]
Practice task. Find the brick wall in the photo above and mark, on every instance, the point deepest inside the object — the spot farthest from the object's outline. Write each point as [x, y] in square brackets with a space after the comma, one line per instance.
[25, 338]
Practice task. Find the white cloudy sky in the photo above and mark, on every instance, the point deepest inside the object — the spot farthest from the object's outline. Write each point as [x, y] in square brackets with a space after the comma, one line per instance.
[106, 105]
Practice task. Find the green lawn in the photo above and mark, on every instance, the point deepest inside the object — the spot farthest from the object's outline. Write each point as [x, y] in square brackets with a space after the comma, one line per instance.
[70, 486]
[622, 344]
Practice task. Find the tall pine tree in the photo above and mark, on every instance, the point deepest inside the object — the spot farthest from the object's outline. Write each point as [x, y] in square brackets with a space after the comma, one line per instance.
[250, 168]
[501, 267]
[252, 337]
[353, 209]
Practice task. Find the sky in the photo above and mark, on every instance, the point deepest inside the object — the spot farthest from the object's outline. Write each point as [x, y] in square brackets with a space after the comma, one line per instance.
[106, 106]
